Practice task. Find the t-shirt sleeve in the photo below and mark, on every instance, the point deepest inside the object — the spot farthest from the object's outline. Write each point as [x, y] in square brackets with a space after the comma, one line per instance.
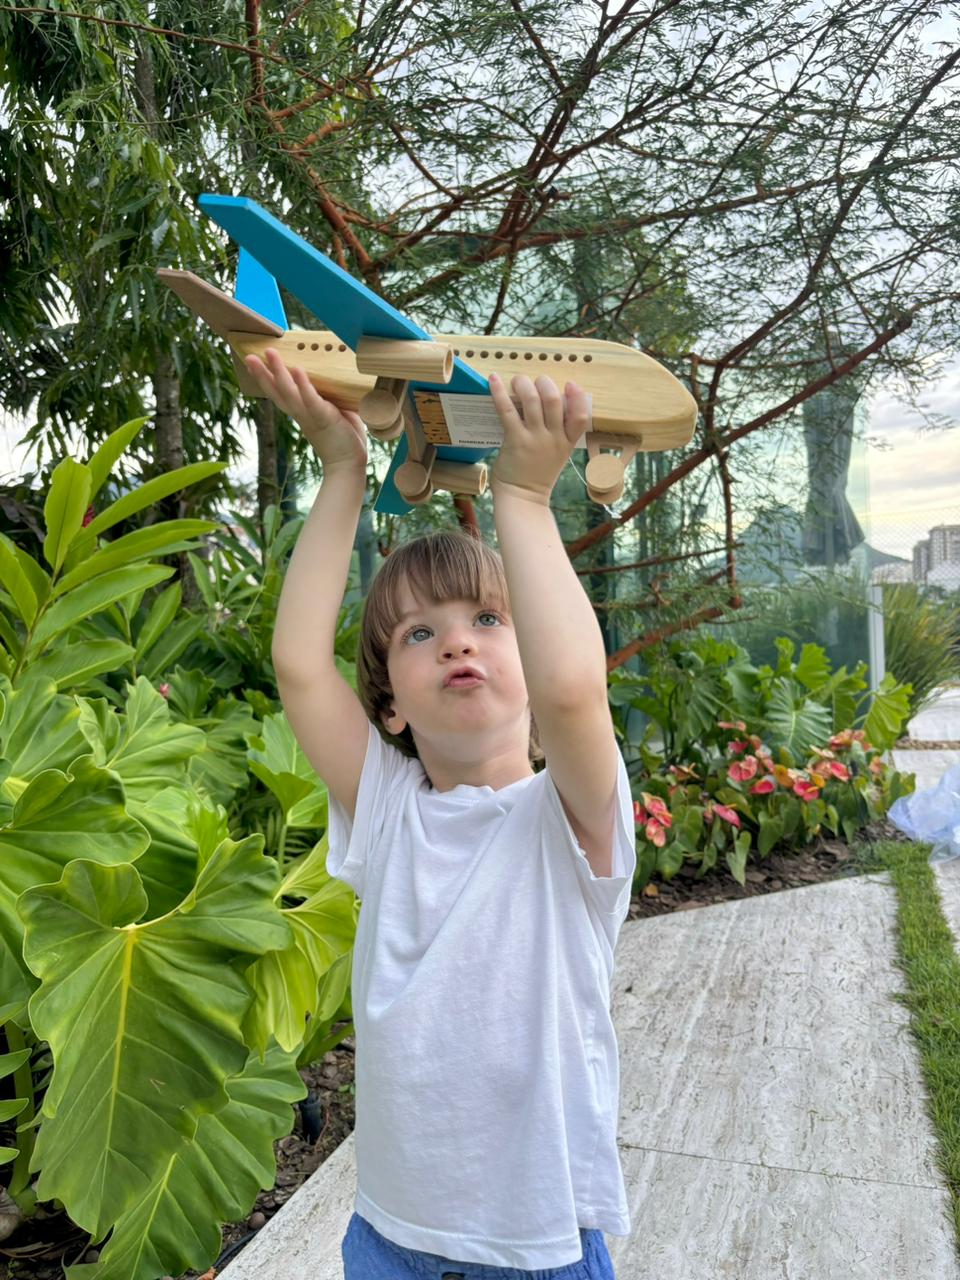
[351, 844]
[609, 894]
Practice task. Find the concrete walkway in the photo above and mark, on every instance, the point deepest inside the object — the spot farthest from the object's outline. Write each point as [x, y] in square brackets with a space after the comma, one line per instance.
[772, 1122]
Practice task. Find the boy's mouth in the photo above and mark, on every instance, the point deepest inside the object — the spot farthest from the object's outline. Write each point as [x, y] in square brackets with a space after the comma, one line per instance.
[463, 678]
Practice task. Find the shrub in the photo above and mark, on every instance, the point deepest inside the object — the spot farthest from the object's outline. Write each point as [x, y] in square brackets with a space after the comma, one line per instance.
[921, 637]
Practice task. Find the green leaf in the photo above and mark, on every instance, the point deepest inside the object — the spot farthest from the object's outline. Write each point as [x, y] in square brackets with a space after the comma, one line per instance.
[58, 817]
[172, 644]
[771, 833]
[205, 585]
[93, 596]
[285, 982]
[151, 492]
[162, 612]
[794, 721]
[75, 664]
[173, 1227]
[64, 509]
[102, 460]
[737, 856]
[143, 1020]
[145, 747]
[889, 709]
[277, 759]
[39, 730]
[813, 669]
[15, 580]
[155, 540]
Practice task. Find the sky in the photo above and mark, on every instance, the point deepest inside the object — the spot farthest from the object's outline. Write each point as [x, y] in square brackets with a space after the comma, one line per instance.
[913, 472]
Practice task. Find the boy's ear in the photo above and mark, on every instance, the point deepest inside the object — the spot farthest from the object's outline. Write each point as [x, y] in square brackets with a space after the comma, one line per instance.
[394, 724]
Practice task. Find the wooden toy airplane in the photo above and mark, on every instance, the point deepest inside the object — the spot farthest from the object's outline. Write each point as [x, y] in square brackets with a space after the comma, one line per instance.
[432, 390]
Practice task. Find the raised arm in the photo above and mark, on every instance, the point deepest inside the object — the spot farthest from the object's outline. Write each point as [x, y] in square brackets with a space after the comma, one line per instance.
[324, 712]
[560, 642]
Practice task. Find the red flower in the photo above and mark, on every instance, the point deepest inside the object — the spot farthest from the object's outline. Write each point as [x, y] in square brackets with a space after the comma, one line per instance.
[837, 769]
[743, 770]
[763, 787]
[736, 746]
[639, 813]
[88, 516]
[164, 689]
[655, 833]
[732, 724]
[654, 803]
[805, 790]
[729, 815]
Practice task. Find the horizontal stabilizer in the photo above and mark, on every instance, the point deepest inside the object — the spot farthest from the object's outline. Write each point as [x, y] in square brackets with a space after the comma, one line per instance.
[222, 313]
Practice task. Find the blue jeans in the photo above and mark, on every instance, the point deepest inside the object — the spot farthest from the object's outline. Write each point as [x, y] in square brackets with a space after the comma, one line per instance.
[367, 1255]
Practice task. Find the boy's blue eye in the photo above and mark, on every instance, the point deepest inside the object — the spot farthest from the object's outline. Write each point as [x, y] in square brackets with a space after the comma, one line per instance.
[485, 613]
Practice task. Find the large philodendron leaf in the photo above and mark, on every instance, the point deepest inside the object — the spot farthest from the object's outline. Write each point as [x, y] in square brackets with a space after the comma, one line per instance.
[793, 720]
[57, 818]
[215, 1178]
[889, 711]
[287, 982]
[144, 746]
[143, 1020]
[278, 761]
[40, 729]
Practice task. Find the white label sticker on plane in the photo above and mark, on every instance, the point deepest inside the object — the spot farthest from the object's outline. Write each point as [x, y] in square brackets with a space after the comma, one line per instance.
[473, 421]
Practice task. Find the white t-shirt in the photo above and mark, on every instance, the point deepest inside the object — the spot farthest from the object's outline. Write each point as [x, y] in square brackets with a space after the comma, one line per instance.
[487, 1076]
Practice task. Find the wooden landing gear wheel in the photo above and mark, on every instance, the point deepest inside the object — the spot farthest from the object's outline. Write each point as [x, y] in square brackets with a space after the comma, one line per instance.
[605, 471]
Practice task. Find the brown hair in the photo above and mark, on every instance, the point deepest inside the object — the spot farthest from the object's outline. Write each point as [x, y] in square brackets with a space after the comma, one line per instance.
[439, 566]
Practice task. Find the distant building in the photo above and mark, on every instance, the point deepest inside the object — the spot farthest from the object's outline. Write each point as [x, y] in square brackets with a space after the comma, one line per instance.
[921, 560]
[945, 545]
[936, 560]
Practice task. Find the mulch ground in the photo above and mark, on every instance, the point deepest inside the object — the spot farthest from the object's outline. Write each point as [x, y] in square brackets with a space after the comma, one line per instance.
[331, 1080]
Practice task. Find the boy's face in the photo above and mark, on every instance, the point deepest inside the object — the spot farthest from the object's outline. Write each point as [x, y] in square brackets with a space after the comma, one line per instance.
[464, 723]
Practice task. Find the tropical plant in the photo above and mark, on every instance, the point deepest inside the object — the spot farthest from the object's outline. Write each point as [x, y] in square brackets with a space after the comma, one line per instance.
[738, 799]
[921, 637]
[691, 686]
[162, 977]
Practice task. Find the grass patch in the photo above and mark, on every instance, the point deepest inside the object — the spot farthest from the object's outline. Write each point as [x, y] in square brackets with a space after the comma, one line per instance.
[927, 954]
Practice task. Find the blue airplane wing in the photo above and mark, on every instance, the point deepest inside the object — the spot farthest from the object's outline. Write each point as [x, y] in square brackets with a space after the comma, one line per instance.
[344, 304]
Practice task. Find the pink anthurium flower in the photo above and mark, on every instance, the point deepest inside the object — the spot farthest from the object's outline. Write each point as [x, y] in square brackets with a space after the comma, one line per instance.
[838, 770]
[735, 747]
[732, 724]
[729, 815]
[805, 790]
[763, 787]
[743, 770]
[654, 803]
[639, 813]
[656, 833]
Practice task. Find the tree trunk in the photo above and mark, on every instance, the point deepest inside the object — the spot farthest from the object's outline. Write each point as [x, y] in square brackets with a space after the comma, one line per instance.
[169, 456]
[268, 483]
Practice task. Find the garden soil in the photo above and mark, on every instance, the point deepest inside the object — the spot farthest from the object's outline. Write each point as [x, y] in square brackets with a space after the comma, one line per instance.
[331, 1080]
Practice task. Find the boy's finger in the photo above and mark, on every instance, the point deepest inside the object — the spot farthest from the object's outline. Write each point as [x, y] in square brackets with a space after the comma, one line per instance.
[526, 392]
[501, 400]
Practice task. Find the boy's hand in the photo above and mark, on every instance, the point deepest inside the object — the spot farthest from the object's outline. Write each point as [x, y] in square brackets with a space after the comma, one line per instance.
[338, 437]
[537, 446]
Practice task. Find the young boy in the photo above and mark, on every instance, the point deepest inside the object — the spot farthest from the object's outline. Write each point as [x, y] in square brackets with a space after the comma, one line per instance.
[487, 1074]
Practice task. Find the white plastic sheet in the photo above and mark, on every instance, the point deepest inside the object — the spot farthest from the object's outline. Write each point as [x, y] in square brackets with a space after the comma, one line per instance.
[933, 816]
